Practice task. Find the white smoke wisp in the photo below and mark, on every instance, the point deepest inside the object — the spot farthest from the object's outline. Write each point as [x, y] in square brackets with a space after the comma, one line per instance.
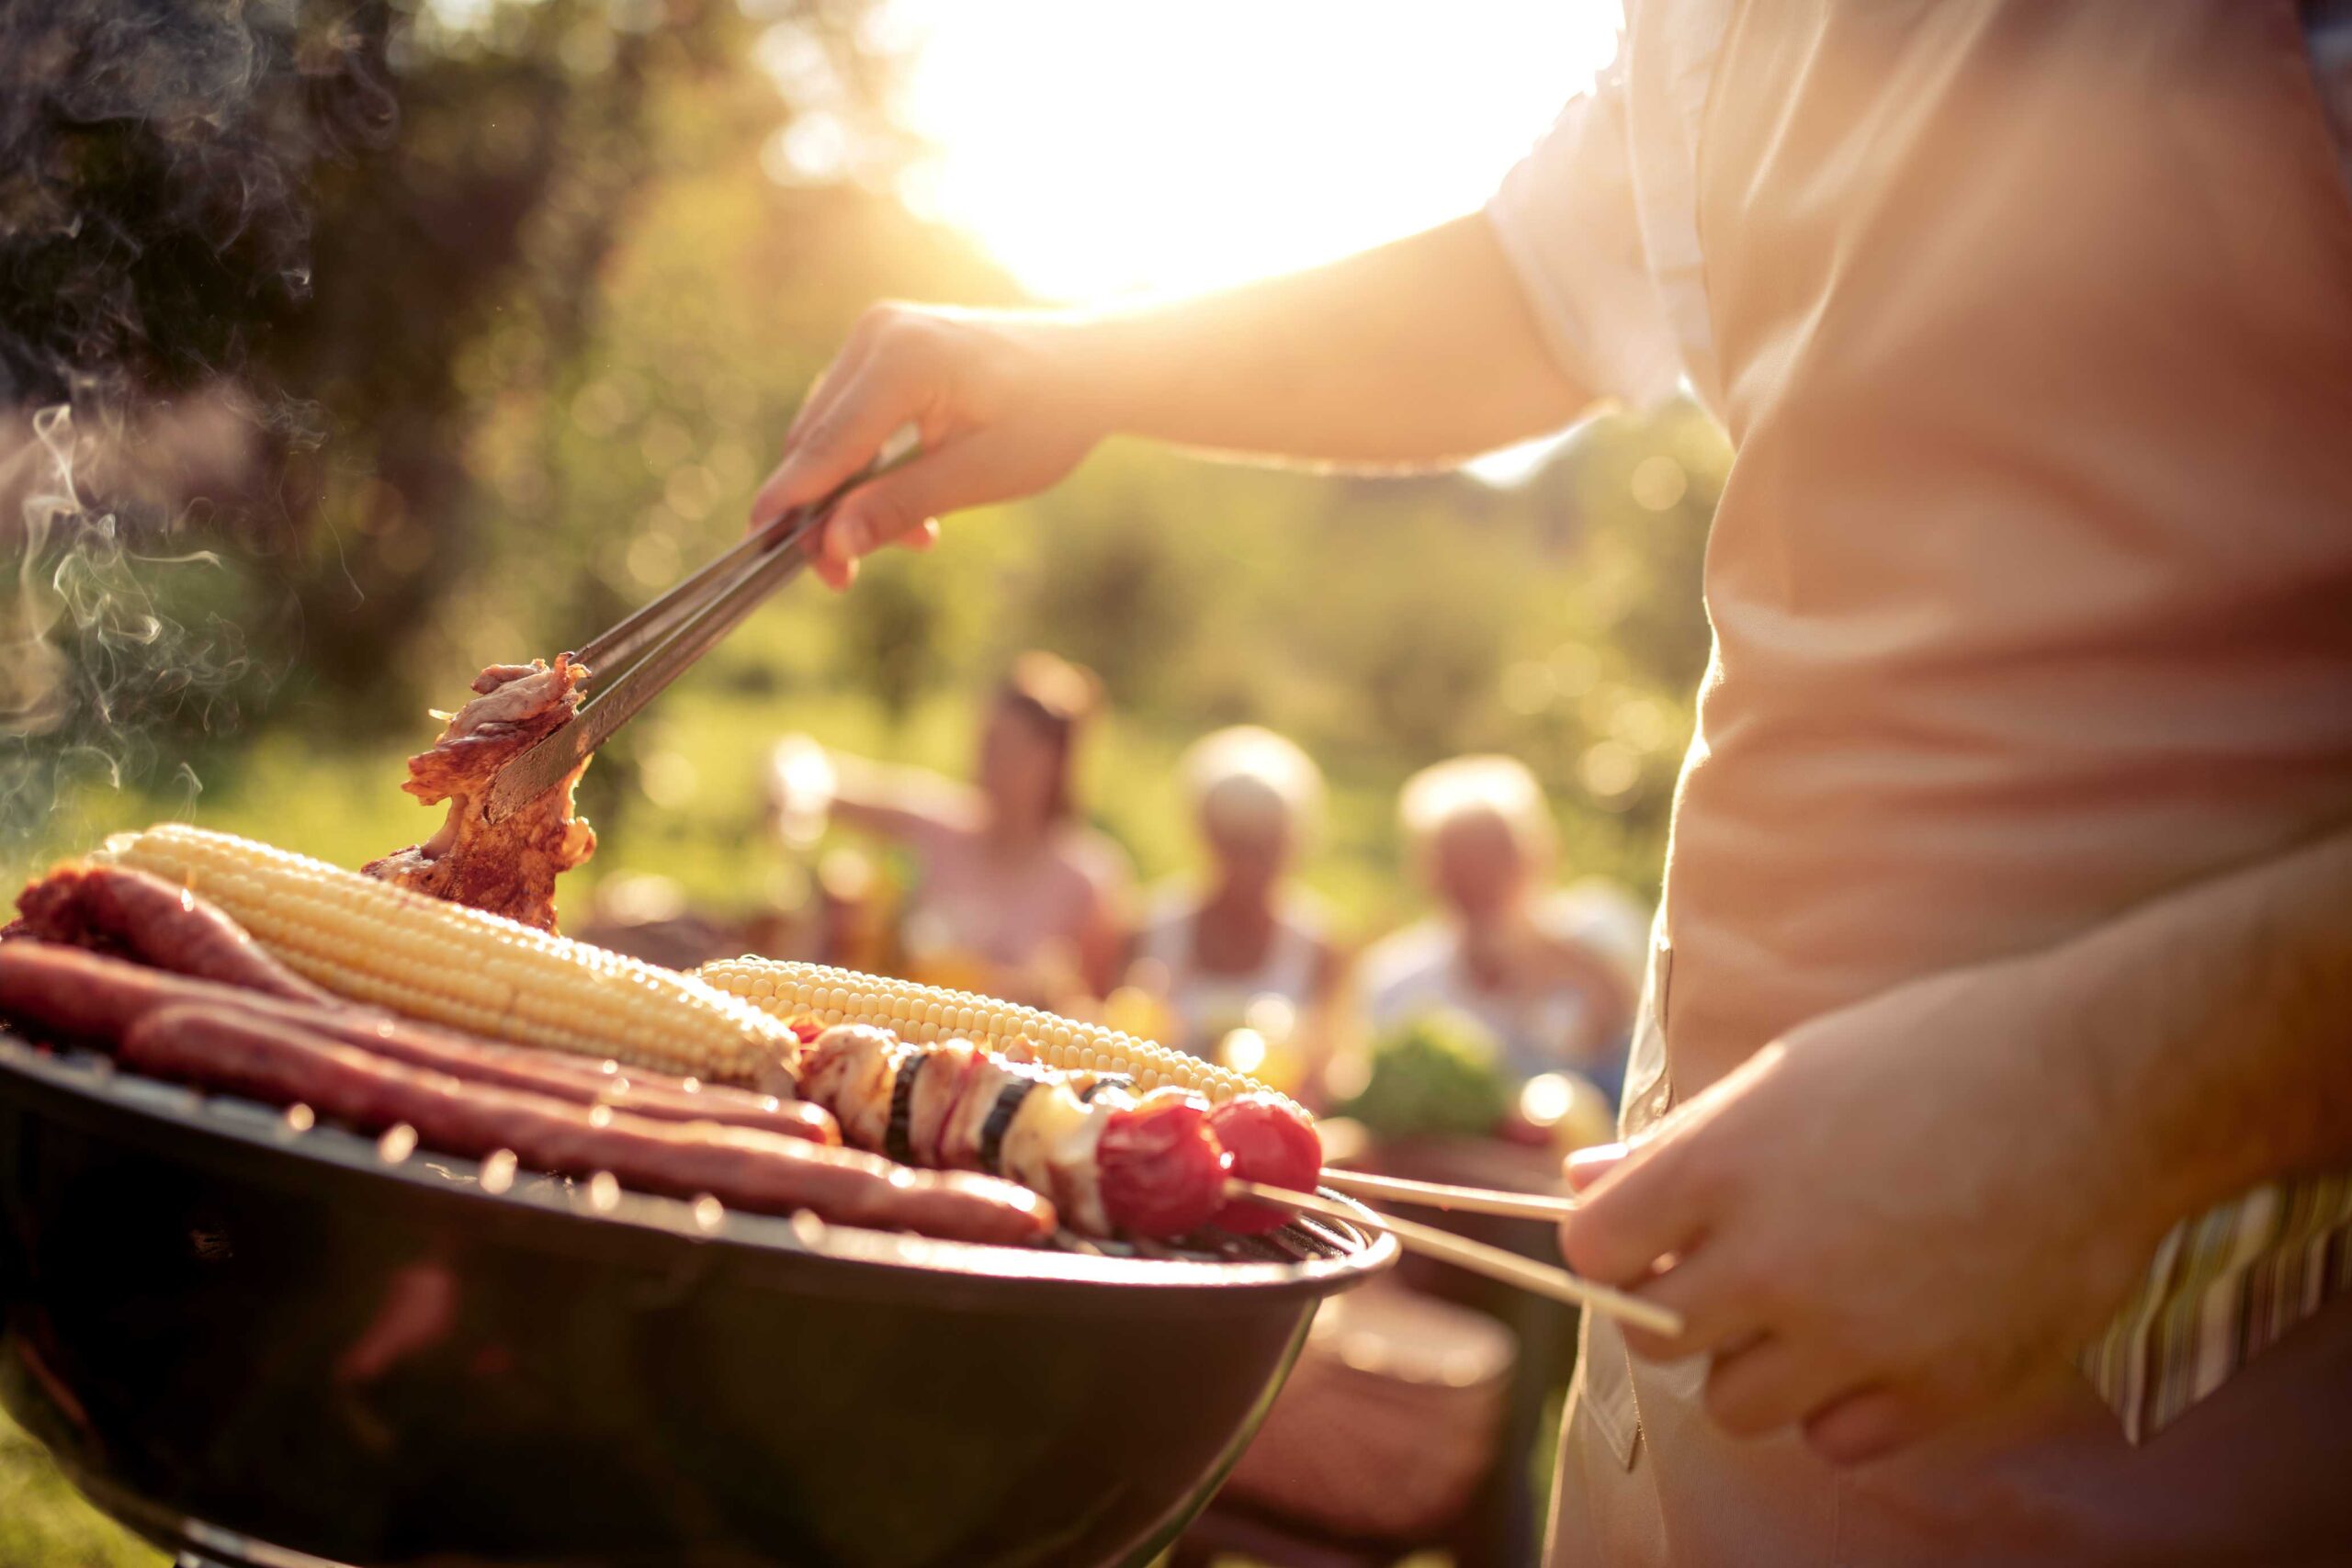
[119, 653]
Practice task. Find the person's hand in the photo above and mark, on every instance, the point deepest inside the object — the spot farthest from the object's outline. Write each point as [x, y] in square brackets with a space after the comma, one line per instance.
[990, 396]
[1885, 1218]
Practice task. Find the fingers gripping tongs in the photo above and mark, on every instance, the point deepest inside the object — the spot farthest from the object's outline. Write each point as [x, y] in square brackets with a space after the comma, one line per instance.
[658, 643]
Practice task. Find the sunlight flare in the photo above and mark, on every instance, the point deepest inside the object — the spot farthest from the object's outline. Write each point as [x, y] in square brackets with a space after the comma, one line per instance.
[1100, 147]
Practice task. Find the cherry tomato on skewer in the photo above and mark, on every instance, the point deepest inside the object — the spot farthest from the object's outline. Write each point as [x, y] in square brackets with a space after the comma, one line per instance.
[1162, 1171]
[1268, 1142]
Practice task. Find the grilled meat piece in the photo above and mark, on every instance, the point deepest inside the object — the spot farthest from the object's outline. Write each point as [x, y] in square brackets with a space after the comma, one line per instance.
[510, 867]
[1111, 1164]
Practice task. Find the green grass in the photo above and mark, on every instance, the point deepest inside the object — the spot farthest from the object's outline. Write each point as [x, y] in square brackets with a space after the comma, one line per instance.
[45, 1524]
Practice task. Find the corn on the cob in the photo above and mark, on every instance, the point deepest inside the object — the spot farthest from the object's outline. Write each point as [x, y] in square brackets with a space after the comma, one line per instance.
[449, 964]
[919, 1012]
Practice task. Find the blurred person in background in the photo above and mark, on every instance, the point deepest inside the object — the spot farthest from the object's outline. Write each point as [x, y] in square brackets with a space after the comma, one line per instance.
[1547, 974]
[1249, 948]
[649, 916]
[1014, 895]
[1989, 1118]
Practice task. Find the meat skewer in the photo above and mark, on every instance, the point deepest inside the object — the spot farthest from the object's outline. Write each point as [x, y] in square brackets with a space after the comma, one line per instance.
[800, 992]
[1159, 1167]
[954, 1105]
[1114, 1163]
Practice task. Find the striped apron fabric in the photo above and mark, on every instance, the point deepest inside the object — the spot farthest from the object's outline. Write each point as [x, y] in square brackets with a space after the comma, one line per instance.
[2225, 1285]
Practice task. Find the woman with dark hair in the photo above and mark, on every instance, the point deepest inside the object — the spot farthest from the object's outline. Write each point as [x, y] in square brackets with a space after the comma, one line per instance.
[1015, 895]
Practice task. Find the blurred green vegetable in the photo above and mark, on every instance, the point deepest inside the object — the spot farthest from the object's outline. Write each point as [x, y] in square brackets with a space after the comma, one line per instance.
[44, 1523]
[1438, 1076]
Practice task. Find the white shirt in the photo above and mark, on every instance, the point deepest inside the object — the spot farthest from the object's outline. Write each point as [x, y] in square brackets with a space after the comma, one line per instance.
[1207, 1003]
[1419, 969]
[1601, 219]
[2029, 323]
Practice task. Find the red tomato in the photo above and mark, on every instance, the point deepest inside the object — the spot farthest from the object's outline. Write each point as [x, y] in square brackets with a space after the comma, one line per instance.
[1163, 1174]
[1268, 1141]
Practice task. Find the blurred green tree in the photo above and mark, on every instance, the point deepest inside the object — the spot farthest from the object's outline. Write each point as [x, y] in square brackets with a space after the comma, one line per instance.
[556, 317]
[892, 638]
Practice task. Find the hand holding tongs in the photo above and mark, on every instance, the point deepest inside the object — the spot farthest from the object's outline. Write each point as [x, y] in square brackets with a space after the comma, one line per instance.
[655, 646]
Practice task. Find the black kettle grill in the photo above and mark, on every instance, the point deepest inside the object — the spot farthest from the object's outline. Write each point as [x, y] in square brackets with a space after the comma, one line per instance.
[259, 1342]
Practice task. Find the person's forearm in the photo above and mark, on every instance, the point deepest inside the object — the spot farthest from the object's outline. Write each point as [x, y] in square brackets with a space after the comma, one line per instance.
[2218, 1025]
[893, 801]
[1417, 352]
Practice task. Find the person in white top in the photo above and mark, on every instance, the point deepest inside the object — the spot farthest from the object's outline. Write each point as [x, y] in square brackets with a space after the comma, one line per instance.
[1989, 1118]
[1546, 973]
[1247, 947]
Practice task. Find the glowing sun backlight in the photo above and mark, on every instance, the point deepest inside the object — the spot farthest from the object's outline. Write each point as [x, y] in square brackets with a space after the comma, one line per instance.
[1101, 147]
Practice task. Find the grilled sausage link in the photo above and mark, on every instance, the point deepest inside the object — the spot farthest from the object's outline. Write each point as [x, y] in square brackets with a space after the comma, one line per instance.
[233, 1049]
[654, 1095]
[86, 996]
[112, 907]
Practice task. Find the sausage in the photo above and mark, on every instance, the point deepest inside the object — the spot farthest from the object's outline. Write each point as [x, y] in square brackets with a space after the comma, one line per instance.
[113, 907]
[657, 1096]
[73, 994]
[234, 1049]
[86, 996]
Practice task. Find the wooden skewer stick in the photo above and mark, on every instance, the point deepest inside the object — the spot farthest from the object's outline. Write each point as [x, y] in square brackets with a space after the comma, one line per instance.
[1440, 1195]
[1478, 1257]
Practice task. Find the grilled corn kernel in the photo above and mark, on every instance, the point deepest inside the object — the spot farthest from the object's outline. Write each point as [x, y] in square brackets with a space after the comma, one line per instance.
[790, 991]
[462, 967]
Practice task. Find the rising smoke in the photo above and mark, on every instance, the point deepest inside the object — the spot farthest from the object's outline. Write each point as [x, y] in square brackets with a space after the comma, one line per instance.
[155, 157]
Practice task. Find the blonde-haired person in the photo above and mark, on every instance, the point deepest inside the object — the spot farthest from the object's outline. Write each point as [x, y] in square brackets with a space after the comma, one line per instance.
[1015, 895]
[1550, 972]
[1219, 949]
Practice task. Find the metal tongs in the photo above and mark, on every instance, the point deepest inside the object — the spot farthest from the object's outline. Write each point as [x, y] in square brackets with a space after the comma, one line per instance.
[658, 643]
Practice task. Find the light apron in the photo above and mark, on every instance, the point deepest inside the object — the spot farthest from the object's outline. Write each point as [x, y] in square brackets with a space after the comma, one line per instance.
[2032, 592]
